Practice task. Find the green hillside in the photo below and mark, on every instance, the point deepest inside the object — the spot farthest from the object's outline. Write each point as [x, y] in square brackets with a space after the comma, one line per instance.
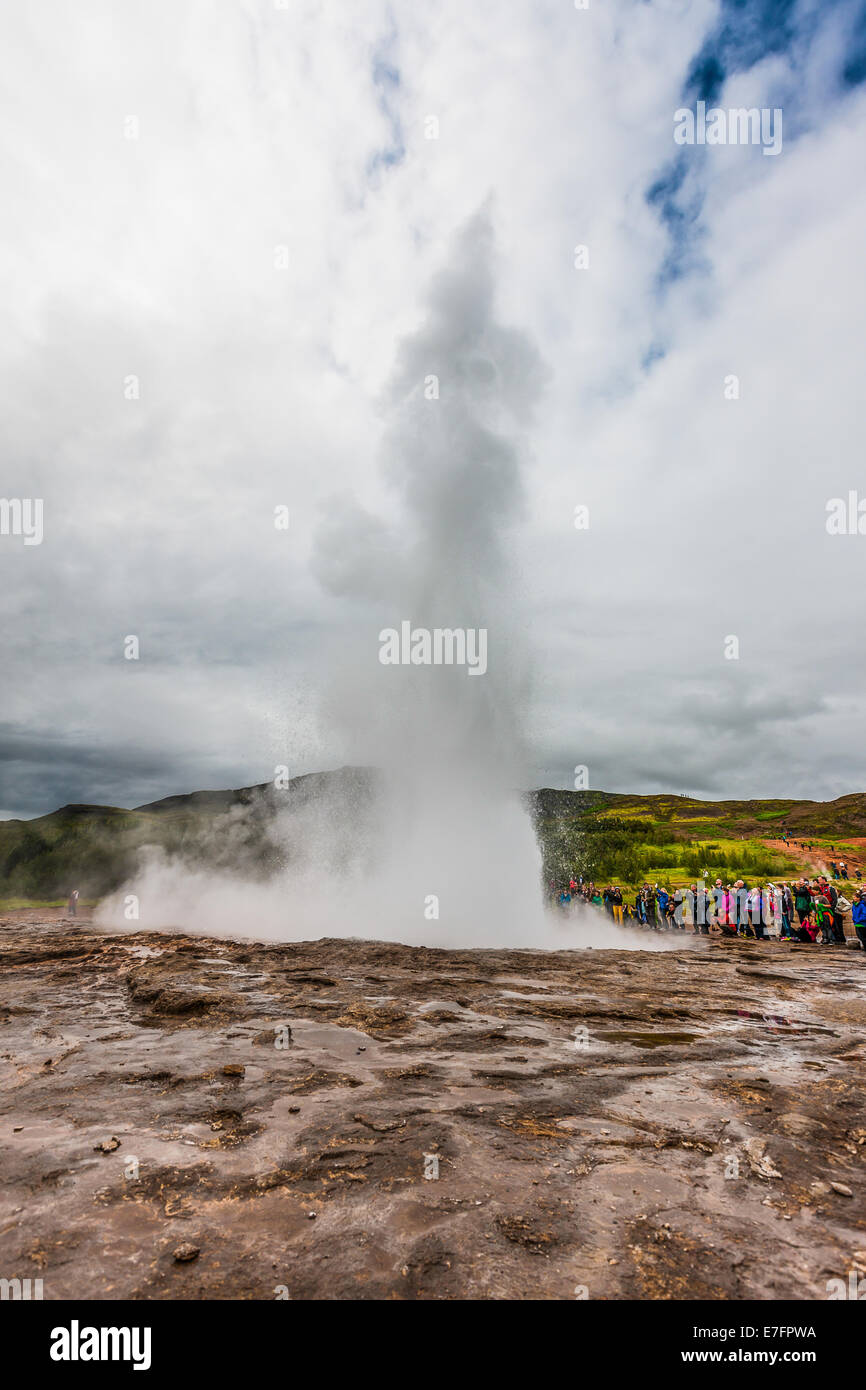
[96, 848]
[686, 816]
[629, 839]
[605, 835]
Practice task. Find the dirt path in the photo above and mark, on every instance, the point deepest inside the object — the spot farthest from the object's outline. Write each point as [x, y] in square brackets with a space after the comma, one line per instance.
[817, 861]
[350, 1119]
[811, 864]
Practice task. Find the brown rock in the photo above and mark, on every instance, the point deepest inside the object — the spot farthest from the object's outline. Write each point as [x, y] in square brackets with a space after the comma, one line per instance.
[186, 1252]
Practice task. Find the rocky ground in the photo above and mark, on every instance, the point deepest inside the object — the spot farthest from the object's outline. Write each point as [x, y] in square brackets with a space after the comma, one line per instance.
[189, 1118]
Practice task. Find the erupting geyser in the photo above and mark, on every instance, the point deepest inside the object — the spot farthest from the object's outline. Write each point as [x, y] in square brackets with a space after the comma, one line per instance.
[459, 862]
[430, 685]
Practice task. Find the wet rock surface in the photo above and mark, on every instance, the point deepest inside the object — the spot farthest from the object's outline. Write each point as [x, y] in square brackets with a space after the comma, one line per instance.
[458, 1124]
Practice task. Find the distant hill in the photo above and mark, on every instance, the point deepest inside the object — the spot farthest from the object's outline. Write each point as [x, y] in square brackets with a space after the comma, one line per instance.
[615, 835]
[344, 781]
[686, 816]
[96, 848]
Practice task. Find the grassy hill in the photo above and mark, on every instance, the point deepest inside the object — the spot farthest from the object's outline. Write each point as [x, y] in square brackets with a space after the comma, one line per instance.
[605, 835]
[629, 839]
[96, 848]
[685, 816]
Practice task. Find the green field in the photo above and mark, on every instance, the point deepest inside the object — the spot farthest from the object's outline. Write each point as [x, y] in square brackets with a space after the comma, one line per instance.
[14, 904]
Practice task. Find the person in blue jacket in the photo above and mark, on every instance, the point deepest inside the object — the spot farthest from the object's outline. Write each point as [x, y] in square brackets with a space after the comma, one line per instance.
[858, 916]
[662, 896]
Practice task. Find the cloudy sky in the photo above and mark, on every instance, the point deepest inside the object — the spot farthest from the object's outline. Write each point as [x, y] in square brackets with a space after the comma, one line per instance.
[220, 221]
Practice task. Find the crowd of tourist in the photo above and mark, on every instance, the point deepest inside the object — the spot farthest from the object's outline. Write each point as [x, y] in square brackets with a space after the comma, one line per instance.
[807, 910]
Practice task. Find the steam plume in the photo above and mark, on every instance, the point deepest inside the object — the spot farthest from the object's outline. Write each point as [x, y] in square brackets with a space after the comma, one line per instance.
[444, 852]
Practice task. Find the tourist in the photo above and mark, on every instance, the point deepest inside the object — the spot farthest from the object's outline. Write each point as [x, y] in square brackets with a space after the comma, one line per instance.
[701, 909]
[802, 900]
[858, 916]
[841, 906]
[833, 896]
[786, 912]
[824, 916]
[662, 904]
[72, 905]
[740, 904]
[725, 916]
[650, 907]
[807, 931]
[754, 913]
[774, 907]
[674, 909]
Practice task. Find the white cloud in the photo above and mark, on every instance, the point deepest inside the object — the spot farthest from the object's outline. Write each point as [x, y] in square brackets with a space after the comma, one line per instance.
[262, 128]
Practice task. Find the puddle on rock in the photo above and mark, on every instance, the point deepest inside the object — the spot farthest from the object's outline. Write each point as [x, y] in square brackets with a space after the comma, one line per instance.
[650, 1039]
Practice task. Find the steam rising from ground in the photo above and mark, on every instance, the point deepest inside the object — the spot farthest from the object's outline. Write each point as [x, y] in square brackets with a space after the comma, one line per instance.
[439, 849]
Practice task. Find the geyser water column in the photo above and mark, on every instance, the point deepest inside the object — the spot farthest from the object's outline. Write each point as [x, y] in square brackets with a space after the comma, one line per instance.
[444, 853]
[433, 686]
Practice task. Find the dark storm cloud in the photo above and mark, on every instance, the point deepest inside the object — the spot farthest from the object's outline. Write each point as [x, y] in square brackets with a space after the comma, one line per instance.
[43, 769]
